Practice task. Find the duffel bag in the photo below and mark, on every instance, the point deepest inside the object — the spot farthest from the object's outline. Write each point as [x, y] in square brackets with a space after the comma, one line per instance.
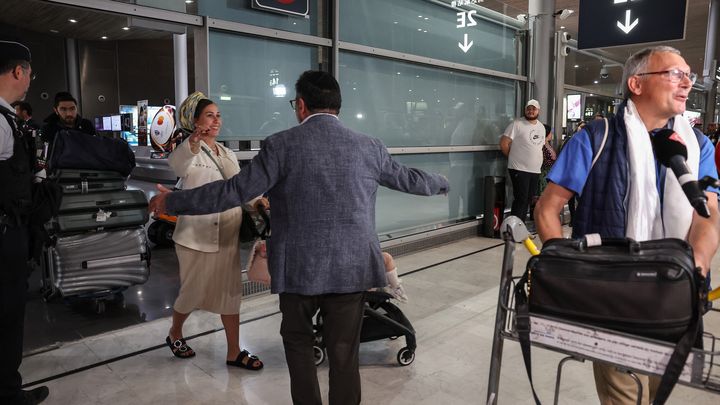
[650, 289]
[73, 149]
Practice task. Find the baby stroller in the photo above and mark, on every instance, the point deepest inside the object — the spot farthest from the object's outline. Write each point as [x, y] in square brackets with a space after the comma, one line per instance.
[381, 320]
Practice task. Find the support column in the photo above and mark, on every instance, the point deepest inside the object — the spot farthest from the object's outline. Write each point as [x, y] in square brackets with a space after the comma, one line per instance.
[542, 27]
[73, 69]
[180, 64]
[202, 58]
[712, 61]
[561, 51]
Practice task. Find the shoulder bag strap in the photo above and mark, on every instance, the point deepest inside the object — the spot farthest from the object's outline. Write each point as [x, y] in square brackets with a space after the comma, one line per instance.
[209, 154]
[678, 358]
[602, 144]
[522, 322]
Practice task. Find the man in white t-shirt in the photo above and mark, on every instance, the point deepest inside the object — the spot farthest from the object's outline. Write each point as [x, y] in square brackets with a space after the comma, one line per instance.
[522, 143]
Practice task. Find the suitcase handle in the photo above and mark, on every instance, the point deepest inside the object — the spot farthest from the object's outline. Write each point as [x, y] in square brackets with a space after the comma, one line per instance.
[89, 264]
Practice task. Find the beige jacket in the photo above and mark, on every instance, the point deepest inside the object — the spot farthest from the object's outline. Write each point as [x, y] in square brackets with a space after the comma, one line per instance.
[200, 232]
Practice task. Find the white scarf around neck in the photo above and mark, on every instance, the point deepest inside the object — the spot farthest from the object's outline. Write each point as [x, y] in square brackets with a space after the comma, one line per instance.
[646, 219]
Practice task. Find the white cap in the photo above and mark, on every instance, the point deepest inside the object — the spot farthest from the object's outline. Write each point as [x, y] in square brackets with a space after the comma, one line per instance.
[533, 103]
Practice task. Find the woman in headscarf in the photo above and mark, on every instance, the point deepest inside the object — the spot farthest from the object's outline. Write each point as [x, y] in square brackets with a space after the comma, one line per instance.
[207, 246]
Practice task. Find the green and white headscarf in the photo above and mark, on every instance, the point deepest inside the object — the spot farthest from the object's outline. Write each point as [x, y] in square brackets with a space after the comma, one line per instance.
[187, 110]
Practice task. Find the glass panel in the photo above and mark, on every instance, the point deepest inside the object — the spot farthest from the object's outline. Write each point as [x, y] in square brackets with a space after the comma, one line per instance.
[241, 11]
[429, 29]
[253, 83]
[412, 105]
[399, 213]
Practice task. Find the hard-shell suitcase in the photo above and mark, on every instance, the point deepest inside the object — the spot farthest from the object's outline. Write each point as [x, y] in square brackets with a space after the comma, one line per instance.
[83, 181]
[97, 261]
[106, 210]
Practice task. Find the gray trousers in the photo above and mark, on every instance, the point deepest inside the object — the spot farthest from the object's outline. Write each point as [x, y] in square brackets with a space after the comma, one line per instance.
[342, 316]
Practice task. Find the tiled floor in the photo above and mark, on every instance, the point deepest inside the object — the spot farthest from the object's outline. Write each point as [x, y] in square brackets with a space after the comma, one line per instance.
[452, 307]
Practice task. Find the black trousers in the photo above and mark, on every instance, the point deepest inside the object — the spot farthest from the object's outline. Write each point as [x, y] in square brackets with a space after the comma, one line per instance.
[13, 287]
[342, 320]
[525, 187]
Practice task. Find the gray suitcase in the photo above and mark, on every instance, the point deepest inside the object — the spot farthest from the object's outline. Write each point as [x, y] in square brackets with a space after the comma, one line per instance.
[98, 211]
[99, 261]
[81, 181]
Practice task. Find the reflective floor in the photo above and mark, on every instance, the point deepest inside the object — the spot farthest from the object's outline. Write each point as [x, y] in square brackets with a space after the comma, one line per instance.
[453, 292]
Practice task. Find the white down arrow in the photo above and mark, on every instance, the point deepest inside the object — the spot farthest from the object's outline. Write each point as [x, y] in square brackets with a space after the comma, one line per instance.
[466, 46]
[627, 27]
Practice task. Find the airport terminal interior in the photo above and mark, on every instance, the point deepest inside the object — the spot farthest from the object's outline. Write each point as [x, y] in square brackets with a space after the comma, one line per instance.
[438, 82]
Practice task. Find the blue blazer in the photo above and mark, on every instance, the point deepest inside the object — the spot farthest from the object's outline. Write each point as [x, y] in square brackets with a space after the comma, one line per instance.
[321, 179]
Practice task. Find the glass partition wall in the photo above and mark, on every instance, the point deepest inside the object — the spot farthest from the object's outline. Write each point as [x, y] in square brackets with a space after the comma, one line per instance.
[435, 82]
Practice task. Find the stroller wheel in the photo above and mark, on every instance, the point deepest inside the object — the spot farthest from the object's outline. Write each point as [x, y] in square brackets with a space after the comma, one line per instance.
[319, 353]
[405, 356]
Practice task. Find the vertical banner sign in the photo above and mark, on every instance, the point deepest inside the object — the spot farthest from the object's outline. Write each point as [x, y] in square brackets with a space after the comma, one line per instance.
[292, 7]
[142, 122]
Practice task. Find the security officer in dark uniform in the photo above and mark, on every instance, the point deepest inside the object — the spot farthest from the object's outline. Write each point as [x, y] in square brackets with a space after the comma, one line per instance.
[16, 177]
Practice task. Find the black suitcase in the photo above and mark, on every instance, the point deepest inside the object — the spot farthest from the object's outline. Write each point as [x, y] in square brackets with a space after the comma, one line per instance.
[98, 261]
[82, 181]
[98, 211]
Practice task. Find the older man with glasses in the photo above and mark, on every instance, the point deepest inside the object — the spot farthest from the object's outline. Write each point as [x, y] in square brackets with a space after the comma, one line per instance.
[624, 192]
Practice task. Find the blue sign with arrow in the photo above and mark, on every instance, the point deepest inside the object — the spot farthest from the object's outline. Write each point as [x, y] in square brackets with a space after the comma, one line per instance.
[606, 23]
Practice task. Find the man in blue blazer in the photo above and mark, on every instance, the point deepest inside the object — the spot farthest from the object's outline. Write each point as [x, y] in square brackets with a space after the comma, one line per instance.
[321, 179]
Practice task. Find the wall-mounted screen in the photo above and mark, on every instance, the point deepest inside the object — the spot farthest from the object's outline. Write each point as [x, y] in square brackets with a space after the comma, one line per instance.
[574, 106]
[126, 122]
[115, 122]
[107, 123]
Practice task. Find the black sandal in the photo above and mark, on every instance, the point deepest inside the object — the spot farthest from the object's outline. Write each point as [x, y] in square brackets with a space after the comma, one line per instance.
[179, 348]
[252, 362]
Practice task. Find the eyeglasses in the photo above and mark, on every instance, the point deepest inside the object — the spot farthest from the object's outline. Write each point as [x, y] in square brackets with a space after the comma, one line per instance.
[675, 75]
[293, 104]
[33, 76]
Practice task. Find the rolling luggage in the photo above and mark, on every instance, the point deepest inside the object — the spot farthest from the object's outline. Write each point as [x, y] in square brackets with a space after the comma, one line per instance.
[81, 181]
[93, 262]
[98, 211]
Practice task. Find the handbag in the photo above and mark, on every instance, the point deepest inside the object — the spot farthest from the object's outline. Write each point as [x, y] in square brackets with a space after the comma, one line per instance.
[248, 227]
[258, 264]
[650, 289]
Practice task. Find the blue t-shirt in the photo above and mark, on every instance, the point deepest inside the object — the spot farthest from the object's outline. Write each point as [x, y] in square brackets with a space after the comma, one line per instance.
[572, 168]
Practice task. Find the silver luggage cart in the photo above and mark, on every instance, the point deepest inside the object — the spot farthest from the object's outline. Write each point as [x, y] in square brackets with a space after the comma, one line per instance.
[629, 353]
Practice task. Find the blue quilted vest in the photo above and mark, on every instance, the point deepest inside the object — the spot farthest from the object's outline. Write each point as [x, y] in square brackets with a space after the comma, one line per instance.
[601, 208]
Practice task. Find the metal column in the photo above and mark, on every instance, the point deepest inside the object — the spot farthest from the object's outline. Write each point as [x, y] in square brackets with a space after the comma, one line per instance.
[73, 69]
[180, 64]
[542, 25]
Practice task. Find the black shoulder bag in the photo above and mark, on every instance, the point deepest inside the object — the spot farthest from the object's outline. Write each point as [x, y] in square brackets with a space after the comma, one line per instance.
[650, 289]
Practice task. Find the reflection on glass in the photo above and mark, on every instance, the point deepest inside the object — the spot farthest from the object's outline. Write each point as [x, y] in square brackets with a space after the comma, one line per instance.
[429, 29]
[253, 83]
[399, 213]
[411, 105]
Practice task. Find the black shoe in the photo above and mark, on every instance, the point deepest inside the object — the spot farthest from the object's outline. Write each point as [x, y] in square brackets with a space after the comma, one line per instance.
[35, 395]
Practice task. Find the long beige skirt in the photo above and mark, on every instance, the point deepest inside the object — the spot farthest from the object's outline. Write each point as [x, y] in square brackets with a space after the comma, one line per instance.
[212, 281]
